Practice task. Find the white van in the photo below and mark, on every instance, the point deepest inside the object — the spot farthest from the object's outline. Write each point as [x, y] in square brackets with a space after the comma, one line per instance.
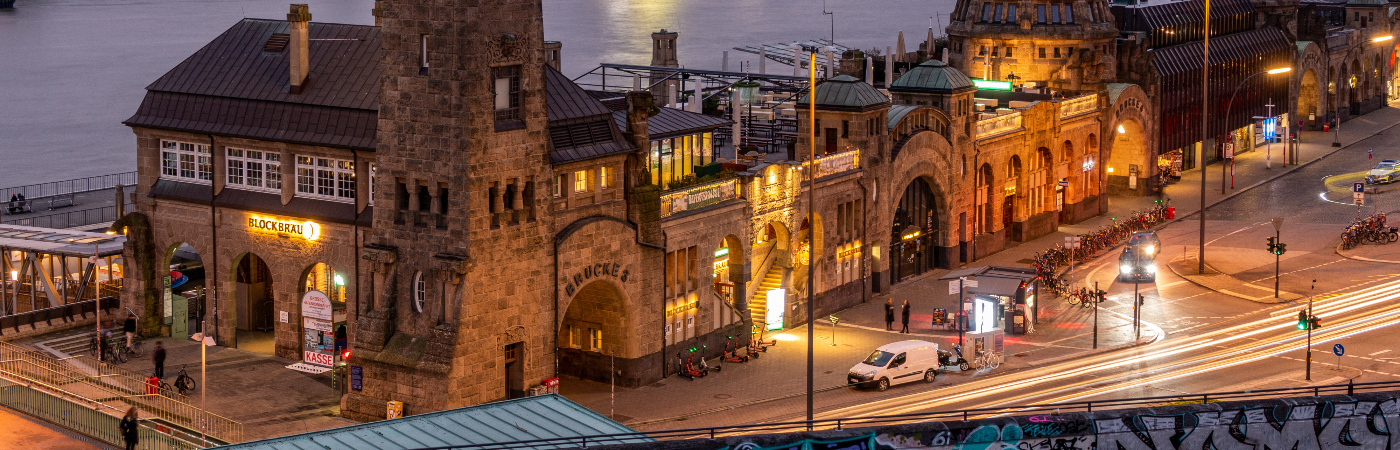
[896, 363]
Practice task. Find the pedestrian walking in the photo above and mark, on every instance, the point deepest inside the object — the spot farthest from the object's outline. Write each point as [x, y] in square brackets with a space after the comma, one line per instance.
[130, 328]
[129, 429]
[889, 314]
[159, 357]
[904, 318]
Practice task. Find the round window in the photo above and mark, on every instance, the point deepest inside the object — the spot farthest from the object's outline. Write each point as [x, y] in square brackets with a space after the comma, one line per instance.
[418, 292]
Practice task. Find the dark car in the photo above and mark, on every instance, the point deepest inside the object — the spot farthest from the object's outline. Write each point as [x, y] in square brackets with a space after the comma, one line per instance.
[1145, 243]
[1136, 266]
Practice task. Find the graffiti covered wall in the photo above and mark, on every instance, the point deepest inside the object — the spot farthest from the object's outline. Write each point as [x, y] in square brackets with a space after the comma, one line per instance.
[1359, 422]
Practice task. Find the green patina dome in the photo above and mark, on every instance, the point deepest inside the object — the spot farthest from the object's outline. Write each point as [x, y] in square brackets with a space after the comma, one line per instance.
[933, 76]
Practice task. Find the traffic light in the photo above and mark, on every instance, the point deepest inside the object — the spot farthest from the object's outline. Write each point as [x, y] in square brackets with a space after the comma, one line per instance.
[1142, 299]
[1315, 324]
[1279, 249]
[1303, 320]
[1273, 247]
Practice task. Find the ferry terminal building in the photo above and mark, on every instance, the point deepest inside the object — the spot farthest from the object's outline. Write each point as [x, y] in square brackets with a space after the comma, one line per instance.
[436, 192]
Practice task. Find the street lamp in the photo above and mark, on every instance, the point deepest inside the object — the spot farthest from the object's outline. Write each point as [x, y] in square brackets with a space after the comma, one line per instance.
[812, 215]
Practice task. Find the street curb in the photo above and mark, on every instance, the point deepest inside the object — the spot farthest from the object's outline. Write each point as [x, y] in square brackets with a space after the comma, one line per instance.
[1229, 293]
[1281, 174]
[1343, 254]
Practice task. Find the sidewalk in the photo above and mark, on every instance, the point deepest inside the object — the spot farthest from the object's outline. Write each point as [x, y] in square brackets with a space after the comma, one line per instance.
[20, 431]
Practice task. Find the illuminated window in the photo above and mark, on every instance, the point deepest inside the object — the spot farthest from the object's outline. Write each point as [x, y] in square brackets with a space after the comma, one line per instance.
[603, 178]
[581, 181]
[325, 178]
[253, 169]
[185, 161]
[595, 339]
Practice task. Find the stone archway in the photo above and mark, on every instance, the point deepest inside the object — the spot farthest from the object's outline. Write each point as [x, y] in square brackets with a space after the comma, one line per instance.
[913, 232]
[322, 278]
[807, 252]
[1356, 86]
[729, 275]
[1307, 98]
[185, 267]
[1128, 166]
[253, 305]
[595, 326]
[984, 199]
[771, 257]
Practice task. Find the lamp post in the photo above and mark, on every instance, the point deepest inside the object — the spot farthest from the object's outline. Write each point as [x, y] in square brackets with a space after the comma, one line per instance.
[1205, 133]
[811, 216]
[1228, 106]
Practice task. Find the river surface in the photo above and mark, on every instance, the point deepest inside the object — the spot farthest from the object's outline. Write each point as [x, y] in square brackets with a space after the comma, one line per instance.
[72, 70]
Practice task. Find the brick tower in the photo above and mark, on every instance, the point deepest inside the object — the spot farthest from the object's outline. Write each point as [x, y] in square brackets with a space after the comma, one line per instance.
[456, 308]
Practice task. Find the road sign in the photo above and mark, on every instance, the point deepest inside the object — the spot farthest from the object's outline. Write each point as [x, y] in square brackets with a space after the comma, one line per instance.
[1358, 187]
[1063, 183]
[833, 319]
[1358, 198]
[1338, 350]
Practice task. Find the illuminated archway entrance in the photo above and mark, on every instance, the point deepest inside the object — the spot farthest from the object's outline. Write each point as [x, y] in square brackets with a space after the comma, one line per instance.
[913, 232]
[806, 253]
[728, 277]
[253, 304]
[185, 290]
[1128, 169]
[594, 327]
[771, 256]
[324, 338]
[1307, 98]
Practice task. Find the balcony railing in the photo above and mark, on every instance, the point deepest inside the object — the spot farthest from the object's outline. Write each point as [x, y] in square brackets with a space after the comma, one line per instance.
[1079, 105]
[999, 124]
[71, 219]
[76, 185]
[837, 162]
[697, 197]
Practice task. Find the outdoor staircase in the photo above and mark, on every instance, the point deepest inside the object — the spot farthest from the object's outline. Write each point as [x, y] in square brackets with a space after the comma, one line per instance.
[71, 343]
[758, 305]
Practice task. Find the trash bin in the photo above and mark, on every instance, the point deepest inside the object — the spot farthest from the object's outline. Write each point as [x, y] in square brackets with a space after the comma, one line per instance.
[152, 386]
[1171, 212]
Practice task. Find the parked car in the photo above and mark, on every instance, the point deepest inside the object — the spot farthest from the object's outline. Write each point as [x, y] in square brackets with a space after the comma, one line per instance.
[1145, 243]
[1387, 171]
[895, 363]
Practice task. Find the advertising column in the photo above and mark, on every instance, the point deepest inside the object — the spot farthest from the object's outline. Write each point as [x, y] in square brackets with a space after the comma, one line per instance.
[318, 341]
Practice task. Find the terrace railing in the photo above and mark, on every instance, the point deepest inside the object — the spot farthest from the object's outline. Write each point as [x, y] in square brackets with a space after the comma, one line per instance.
[699, 196]
[75, 185]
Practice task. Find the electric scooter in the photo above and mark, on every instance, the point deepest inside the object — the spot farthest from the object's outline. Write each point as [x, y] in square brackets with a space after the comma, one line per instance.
[759, 340]
[690, 369]
[704, 366]
[732, 354]
[681, 368]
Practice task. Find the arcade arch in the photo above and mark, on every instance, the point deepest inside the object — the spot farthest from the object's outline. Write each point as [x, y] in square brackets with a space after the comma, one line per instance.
[1307, 97]
[914, 232]
[253, 305]
[322, 278]
[771, 256]
[187, 289]
[594, 325]
[729, 277]
[1129, 156]
[807, 252]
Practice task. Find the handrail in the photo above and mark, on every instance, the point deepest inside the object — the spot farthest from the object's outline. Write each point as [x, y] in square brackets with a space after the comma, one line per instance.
[835, 163]
[185, 436]
[698, 196]
[70, 219]
[961, 415]
[1079, 105]
[765, 267]
[997, 125]
[73, 186]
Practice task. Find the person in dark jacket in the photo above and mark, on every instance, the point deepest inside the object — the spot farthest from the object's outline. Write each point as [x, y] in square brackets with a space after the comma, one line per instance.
[130, 328]
[129, 429]
[158, 356]
[889, 314]
[904, 318]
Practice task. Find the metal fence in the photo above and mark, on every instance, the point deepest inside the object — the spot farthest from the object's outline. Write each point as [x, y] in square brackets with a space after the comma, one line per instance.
[957, 415]
[111, 384]
[87, 416]
[75, 185]
[66, 313]
[71, 219]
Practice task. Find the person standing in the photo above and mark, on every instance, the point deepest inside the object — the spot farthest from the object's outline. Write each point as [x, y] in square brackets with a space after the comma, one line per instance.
[904, 318]
[130, 328]
[889, 314]
[158, 356]
[130, 429]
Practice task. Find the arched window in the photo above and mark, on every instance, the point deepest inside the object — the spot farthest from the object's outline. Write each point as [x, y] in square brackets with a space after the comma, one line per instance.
[419, 291]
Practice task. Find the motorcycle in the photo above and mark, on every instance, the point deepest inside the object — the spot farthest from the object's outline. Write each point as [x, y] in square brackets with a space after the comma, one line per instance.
[947, 359]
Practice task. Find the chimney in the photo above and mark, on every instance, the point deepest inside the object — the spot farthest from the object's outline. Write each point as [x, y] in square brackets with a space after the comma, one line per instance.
[551, 53]
[300, 55]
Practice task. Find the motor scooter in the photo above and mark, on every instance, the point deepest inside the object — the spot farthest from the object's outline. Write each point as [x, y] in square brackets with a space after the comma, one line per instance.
[731, 351]
[953, 359]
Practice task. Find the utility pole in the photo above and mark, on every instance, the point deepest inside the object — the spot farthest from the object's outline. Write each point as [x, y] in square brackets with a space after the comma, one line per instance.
[1137, 313]
[1269, 140]
[1205, 133]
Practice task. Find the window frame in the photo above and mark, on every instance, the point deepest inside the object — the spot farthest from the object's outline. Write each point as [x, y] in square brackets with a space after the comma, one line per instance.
[509, 117]
[325, 178]
[188, 162]
[420, 290]
[270, 163]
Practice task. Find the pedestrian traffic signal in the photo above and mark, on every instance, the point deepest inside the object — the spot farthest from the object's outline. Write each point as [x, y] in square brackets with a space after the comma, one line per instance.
[1315, 324]
[1273, 247]
[1279, 249]
[1142, 299]
[1303, 320]
[345, 355]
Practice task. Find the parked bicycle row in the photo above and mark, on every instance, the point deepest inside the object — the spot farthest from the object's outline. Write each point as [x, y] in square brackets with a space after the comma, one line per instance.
[1090, 244]
[1370, 230]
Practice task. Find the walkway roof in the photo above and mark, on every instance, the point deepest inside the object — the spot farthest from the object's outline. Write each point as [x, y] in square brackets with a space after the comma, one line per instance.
[547, 416]
[54, 241]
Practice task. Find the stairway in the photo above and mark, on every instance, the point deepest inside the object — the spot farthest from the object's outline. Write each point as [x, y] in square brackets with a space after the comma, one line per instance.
[758, 305]
[69, 343]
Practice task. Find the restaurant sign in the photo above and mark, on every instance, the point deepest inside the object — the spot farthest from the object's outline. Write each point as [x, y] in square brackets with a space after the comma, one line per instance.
[697, 197]
[307, 230]
[318, 344]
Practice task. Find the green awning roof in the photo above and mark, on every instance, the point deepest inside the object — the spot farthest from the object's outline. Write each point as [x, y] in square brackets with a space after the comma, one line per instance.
[933, 76]
[846, 93]
[524, 419]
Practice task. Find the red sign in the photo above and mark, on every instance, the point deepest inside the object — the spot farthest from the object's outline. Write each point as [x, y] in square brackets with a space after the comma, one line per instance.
[323, 359]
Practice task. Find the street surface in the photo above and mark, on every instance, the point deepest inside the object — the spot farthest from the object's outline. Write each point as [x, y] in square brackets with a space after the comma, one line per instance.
[1219, 331]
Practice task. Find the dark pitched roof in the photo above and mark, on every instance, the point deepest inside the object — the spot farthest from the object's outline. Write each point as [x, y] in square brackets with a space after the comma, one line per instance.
[674, 122]
[1164, 15]
[233, 87]
[846, 93]
[935, 77]
[567, 100]
[1232, 47]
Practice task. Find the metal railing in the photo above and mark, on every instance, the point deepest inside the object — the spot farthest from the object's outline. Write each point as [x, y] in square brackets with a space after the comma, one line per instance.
[61, 312]
[836, 163]
[696, 197]
[1079, 105]
[86, 416]
[109, 383]
[71, 219]
[999, 124]
[956, 415]
[75, 185]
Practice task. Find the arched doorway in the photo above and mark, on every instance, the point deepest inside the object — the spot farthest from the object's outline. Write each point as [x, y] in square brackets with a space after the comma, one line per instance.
[253, 305]
[1091, 151]
[1307, 98]
[729, 279]
[807, 252]
[184, 285]
[325, 338]
[984, 199]
[594, 328]
[771, 257]
[914, 232]
[1127, 163]
[1355, 87]
[1012, 196]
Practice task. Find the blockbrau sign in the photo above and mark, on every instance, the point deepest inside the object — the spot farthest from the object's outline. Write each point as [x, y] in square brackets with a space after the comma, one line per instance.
[308, 230]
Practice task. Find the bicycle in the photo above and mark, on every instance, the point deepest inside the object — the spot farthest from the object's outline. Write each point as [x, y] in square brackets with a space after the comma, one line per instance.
[136, 350]
[183, 383]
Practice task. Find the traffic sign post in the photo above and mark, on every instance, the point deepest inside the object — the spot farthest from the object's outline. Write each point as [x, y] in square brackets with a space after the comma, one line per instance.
[1339, 350]
[833, 320]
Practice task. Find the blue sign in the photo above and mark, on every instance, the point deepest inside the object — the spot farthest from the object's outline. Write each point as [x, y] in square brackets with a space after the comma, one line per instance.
[1063, 183]
[357, 376]
[1358, 187]
[1338, 350]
